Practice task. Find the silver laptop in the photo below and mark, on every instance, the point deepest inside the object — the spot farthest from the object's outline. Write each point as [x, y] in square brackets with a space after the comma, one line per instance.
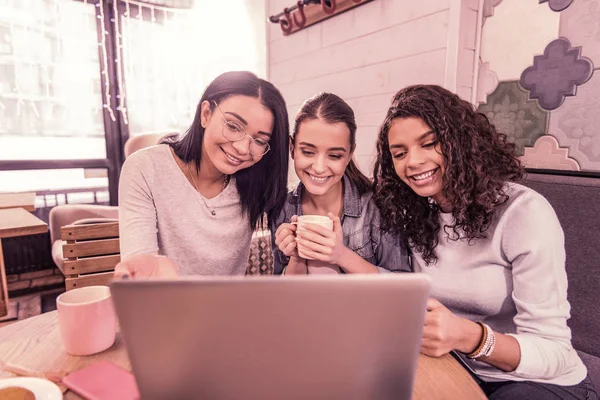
[314, 337]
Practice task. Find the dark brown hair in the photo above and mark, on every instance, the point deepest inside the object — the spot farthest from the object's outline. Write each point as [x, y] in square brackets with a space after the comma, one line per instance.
[262, 186]
[332, 109]
[479, 161]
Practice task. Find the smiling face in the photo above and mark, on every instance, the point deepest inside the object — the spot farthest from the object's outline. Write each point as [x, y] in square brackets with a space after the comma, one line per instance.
[242, 113]
[321, 153]
[417, 157]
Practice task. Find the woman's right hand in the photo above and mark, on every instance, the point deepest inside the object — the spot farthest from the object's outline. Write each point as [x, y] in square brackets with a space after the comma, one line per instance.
[145, 266]
[285, 238]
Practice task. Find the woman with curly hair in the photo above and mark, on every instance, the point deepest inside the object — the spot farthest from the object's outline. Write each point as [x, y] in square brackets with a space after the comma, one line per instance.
[445, 179]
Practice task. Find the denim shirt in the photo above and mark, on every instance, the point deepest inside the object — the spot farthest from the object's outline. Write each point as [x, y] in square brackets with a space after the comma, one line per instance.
[361, 227]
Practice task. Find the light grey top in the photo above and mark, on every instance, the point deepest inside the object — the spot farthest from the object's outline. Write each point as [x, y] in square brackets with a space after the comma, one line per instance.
[160, 212]
[514, 281]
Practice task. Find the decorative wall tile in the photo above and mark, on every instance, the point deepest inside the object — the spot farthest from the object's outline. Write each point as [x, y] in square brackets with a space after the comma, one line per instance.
[487, 82]
[513, 113]
[518, 29]
[556, 74]
[547, 154]
[488, 7]
[580, 23]
[576, 124]
[557, 5]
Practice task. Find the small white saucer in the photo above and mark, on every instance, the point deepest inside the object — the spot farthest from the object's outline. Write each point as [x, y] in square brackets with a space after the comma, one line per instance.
[43, 389]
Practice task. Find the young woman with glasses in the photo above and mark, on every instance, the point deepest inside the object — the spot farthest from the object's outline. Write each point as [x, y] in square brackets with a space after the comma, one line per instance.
[196, 199]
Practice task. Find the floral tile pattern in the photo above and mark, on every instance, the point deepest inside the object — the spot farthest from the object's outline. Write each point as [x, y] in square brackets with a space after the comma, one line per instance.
[576, 124]
[518, 30]
[556, 74]
[513, 113]
[580, 23]
[547, 154]
[548, 104]
[557, 5]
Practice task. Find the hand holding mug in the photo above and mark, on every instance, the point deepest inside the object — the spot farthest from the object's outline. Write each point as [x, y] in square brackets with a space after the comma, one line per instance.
[321, 239]
[285, 237]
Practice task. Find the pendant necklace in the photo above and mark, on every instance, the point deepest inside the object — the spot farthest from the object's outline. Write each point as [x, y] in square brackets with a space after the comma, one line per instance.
[213, 212]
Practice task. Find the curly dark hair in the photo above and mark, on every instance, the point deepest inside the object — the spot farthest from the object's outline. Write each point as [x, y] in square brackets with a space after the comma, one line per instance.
[479, 161]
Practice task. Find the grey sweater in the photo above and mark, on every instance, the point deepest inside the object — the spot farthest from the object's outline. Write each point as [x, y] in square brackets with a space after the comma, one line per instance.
[160, 212]
[515, 281]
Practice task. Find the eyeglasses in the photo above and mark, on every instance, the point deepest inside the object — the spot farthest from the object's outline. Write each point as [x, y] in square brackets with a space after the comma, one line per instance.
[234, 132]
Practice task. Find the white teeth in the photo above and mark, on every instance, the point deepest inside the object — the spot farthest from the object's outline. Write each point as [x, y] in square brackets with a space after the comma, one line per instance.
[233, 159]
[424, 176]
[318, 180]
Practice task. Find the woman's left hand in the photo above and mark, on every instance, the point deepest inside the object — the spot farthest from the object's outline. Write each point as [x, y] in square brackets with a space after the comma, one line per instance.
[444, 331]
[323, 244]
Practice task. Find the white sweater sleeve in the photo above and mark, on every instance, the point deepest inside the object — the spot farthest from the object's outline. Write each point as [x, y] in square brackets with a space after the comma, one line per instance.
[137, 213]
[533, 242]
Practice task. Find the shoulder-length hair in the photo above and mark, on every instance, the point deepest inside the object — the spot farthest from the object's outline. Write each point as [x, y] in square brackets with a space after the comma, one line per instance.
[479, 161]
[263, 186]
[332, 109]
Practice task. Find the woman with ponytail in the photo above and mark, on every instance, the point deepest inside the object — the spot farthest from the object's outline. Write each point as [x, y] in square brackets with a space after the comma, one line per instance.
[322, 145]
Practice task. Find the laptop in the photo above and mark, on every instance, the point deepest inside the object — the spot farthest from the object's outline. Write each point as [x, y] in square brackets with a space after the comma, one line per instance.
[300, 337]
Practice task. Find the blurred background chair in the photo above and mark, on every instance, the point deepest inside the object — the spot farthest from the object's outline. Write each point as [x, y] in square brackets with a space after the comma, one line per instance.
[75, 214]
[91, 251]
[137, 142]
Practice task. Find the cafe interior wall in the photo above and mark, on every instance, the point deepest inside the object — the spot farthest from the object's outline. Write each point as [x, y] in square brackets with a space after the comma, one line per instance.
[536, 77]
[539, 80]
[368, 53]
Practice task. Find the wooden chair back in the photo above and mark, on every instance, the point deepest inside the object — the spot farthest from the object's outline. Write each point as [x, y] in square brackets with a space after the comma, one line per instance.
[91, 252]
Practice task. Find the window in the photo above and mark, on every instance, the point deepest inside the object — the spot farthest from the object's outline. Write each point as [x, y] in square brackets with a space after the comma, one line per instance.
[76, 82]
[170, 55]
[50, 99]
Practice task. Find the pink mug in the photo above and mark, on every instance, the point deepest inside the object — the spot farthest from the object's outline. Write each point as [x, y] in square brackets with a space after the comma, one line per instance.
[87, 320]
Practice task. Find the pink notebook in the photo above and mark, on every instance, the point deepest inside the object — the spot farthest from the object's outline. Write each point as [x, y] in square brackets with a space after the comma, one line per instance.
[103, 381]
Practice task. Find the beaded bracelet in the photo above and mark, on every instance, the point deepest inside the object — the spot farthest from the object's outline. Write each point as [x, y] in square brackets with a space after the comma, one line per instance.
[487, 344]
[481, 342]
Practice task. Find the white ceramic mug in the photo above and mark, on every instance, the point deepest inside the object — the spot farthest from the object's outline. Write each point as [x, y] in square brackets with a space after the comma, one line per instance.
[320, 220]
[87, 319]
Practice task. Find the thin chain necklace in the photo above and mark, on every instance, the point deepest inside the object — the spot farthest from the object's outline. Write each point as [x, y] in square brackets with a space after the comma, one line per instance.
[213, 212]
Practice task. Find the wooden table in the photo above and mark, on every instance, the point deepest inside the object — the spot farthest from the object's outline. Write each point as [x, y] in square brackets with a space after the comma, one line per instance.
[15, 222]
[35, 344]
[24, 200]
